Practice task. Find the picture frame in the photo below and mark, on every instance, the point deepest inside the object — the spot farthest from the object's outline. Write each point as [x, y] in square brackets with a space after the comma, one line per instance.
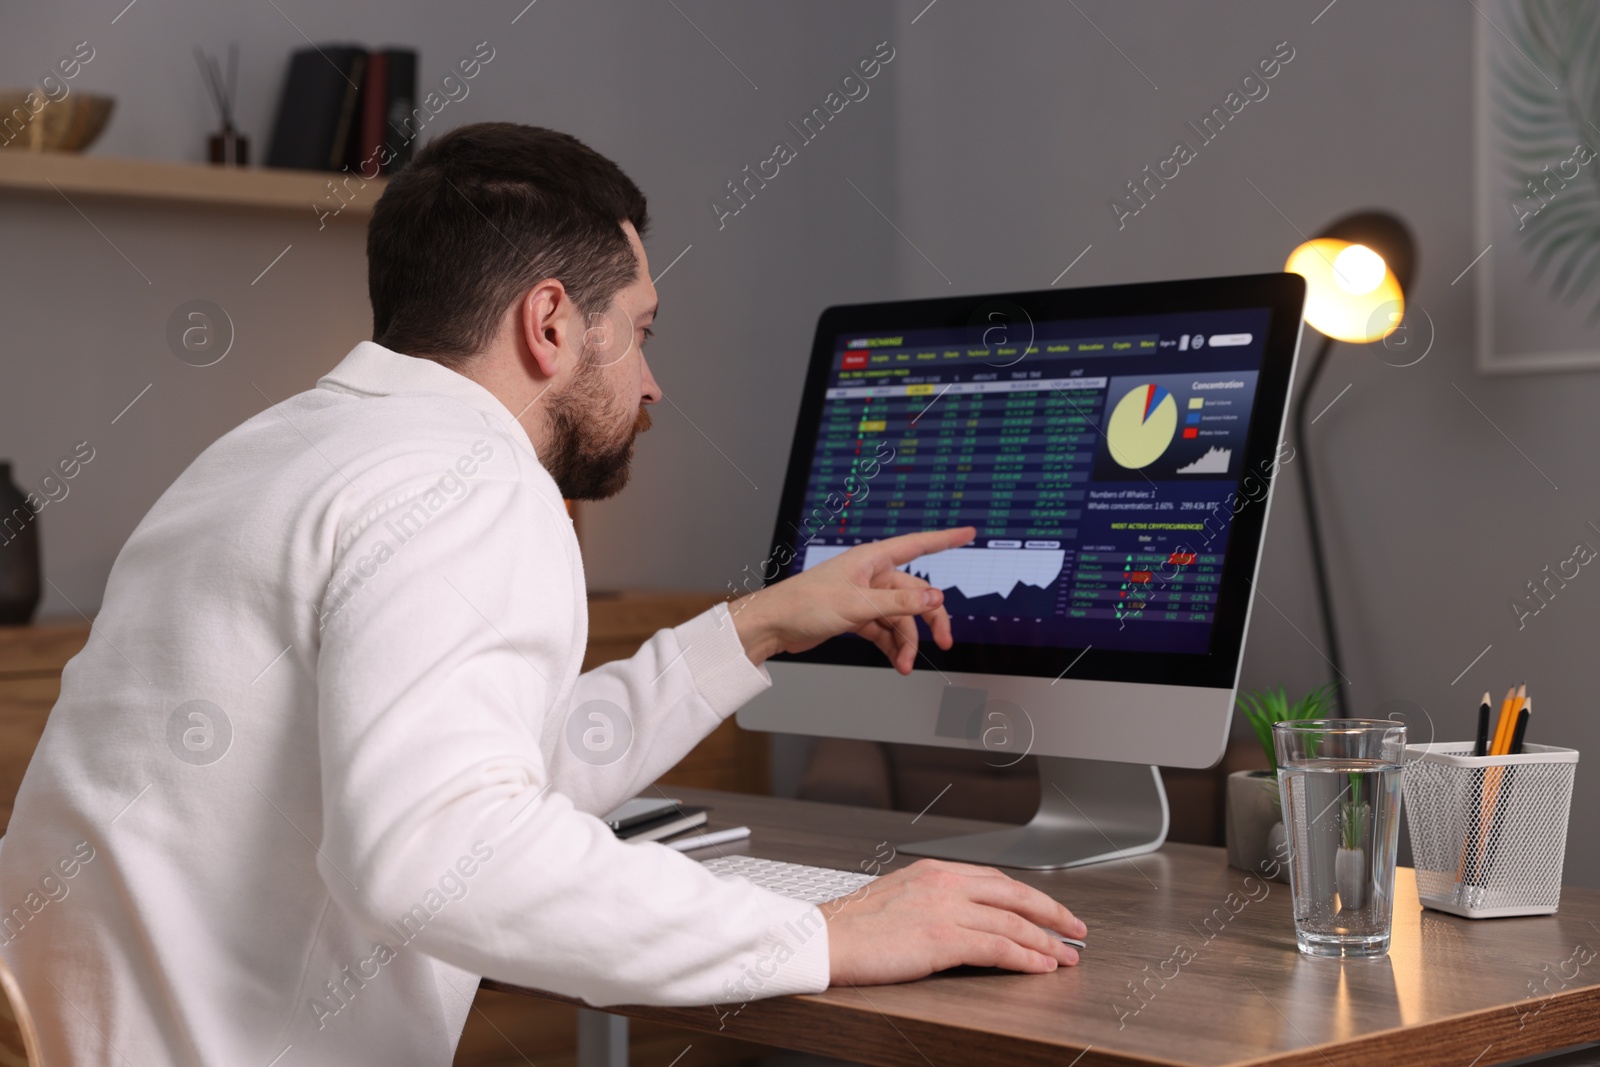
[1537, 186]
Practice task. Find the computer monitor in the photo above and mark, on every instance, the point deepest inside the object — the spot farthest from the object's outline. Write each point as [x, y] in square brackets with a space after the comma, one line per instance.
[1115, 448]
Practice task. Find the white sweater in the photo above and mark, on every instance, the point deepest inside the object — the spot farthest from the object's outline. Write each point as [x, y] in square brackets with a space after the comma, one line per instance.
[328, 758]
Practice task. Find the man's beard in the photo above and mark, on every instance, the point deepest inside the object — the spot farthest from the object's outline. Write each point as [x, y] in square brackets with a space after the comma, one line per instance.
[588, 460]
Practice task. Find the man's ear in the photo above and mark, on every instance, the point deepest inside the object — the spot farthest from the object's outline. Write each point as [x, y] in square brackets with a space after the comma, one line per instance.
[546, 317]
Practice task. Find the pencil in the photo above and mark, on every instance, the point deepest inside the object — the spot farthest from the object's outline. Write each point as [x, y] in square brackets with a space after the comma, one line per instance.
[1511, 727]
[1481, 746]
[1522, 727]
[1504, 722]
[1506, 778]
[1489, 790]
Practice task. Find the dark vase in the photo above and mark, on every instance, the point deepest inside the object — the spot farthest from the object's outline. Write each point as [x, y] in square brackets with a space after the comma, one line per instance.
[20, 585]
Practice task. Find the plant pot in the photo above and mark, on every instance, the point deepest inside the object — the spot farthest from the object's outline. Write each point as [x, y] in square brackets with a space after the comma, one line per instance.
[1350, 878]
[1252, 814]
[1278, 847]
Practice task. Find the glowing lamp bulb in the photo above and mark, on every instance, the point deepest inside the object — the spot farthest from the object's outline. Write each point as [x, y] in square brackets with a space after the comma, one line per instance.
[1358, 270]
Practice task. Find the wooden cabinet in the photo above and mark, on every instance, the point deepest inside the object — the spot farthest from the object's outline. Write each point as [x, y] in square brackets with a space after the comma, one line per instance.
[501, 1029]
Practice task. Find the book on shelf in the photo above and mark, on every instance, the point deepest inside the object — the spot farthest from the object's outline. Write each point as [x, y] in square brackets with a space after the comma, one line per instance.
[361, 149]
[340, 104]
[400, 99]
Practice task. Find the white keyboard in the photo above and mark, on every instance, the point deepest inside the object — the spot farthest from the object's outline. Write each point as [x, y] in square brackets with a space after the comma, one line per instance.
[814, 885]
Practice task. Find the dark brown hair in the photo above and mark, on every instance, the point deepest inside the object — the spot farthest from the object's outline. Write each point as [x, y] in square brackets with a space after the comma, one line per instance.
[481, 215]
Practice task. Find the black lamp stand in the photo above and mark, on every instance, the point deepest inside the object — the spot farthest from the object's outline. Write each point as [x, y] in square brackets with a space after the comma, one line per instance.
[1308, 496]
[1385, 234]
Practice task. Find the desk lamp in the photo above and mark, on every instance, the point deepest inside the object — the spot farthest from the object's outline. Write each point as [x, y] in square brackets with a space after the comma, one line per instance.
[1357, 271]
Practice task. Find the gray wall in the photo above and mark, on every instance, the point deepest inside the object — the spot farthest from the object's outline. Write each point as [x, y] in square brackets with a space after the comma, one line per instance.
[87, 301]
[993, 142]
[1010, 146]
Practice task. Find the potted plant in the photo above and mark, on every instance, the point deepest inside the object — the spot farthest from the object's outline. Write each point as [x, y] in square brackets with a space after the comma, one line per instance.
[1255, 810]
[1350, 872]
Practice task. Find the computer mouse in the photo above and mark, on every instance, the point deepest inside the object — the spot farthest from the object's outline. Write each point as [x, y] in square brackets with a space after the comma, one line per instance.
[1074, 942]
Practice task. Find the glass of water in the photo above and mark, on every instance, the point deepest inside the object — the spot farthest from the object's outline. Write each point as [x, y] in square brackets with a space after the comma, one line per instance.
[1339, 780]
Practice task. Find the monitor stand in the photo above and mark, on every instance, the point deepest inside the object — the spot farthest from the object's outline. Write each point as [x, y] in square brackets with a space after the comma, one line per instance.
[1089, 811]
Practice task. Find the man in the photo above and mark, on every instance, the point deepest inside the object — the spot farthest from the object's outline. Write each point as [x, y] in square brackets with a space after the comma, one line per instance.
[327, 758]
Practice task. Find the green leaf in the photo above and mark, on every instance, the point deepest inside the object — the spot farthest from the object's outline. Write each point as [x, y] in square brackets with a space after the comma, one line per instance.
[1546, 91]
[1263, 707]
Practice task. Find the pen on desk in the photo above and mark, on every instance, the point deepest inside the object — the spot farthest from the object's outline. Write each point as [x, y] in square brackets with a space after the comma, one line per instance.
[716, 837]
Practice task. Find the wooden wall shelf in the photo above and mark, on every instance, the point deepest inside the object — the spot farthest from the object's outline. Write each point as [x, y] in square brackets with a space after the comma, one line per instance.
[191, 183]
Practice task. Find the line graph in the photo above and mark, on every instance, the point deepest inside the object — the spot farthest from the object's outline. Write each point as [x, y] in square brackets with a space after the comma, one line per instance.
[973, 572]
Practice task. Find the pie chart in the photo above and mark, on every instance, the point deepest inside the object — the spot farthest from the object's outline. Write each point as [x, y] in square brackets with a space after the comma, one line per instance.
[1141, 426]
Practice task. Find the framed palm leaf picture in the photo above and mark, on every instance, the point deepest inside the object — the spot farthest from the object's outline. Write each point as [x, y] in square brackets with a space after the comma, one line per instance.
[1538, 185]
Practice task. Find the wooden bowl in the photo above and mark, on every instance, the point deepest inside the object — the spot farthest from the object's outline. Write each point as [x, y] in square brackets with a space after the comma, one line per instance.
[70, 124]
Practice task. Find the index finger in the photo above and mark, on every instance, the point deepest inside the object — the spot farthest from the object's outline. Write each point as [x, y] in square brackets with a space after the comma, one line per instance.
[1030, 903]
[907, 547]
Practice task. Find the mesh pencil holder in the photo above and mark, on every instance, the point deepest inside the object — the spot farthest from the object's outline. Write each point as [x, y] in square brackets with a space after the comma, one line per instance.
[1488, 833]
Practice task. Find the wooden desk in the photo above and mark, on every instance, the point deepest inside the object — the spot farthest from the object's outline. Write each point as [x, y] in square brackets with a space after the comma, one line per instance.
[1451, 991]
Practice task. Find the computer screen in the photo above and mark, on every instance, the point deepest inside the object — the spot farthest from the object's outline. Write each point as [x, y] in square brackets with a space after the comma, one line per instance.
[1114, 460]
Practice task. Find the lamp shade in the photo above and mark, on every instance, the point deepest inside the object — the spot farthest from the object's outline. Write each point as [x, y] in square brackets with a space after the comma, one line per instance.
[1356, 274]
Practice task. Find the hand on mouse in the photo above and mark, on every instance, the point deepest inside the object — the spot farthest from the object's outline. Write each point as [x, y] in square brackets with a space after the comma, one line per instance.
[933, 915]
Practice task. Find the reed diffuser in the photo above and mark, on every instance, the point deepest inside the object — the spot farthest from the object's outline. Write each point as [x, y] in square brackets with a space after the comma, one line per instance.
[227, 147]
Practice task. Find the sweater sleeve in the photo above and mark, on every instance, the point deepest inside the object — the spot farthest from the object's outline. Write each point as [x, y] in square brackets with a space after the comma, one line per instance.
[646, 712]
[445, 827]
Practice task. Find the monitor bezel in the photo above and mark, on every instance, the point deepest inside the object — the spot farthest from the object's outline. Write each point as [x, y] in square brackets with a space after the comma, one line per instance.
[1284, 297]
